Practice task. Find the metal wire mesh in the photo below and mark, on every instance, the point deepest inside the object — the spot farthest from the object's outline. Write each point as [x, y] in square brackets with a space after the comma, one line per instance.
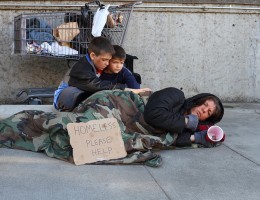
[66, 34]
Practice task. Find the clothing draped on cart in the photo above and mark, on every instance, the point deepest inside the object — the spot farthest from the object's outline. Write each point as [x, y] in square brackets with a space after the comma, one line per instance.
[38, 31]
[99, 21]
[57, 50]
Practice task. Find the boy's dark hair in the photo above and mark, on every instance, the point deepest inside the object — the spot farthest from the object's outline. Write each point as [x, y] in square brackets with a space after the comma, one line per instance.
[119, 52]
[100, 45]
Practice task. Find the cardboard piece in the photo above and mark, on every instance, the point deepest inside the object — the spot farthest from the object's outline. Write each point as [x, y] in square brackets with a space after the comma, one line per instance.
[96, 140]
[64, 33]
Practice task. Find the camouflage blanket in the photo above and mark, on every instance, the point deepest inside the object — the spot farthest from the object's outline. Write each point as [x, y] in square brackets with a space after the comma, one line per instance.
[40, 131]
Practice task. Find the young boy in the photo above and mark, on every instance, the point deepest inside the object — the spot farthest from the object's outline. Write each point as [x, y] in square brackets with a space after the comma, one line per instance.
[115, 72]
[82, 79]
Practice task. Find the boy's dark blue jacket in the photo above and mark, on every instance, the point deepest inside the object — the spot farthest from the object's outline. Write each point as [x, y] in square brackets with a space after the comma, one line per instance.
[125, 76]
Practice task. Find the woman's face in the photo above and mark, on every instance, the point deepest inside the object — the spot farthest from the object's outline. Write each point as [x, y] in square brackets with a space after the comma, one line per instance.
[205, 110]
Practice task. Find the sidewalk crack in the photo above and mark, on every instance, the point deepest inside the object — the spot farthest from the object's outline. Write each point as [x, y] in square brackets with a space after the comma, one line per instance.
[158, 183]
[242, 155]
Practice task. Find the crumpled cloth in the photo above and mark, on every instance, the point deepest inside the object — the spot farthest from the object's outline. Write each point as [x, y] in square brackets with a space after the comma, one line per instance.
[38, 31]
[57, 50]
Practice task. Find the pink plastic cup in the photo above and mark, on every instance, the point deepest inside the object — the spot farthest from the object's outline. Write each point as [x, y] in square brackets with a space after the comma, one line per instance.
[215, 134]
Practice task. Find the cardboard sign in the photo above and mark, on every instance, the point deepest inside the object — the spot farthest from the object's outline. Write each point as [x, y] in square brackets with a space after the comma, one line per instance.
[96, 140]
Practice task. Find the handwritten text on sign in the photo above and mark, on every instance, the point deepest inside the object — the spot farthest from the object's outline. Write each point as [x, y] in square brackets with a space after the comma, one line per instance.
[96, 140]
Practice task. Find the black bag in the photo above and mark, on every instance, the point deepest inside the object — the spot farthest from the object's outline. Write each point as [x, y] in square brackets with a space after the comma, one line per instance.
[84, 20]
[129, 64]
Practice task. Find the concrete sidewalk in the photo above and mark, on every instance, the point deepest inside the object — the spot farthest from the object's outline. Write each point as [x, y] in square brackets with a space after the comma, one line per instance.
[228, 172]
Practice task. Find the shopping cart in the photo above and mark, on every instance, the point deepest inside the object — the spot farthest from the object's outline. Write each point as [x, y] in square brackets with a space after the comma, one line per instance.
[67, 34]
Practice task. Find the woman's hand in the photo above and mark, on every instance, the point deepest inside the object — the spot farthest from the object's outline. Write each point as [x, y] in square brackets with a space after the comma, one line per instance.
[138, 91]
[192, 121]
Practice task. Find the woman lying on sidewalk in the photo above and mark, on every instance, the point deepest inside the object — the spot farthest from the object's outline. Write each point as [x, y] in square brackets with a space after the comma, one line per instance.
[166, 121]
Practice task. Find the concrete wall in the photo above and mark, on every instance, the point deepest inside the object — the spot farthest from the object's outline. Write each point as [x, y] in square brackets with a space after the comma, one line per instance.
[199, 50]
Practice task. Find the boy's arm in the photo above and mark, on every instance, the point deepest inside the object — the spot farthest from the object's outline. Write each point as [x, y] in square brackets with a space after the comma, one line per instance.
[92, 83]
[83, 76]
[129, 79]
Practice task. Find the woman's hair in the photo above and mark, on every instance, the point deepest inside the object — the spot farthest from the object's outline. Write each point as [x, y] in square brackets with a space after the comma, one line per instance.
[217, 113]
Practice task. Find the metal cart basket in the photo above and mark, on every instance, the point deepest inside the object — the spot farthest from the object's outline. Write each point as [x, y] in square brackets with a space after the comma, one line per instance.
[67, 34]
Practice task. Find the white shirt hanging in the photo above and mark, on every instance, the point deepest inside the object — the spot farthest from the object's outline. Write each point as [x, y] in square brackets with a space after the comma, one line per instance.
[99, 21]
